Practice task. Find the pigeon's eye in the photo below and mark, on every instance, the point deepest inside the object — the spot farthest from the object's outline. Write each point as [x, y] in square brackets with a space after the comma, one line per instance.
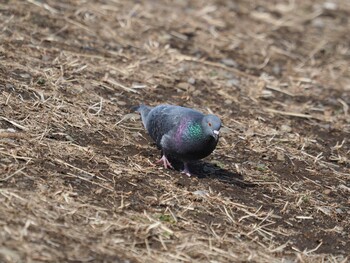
[209, 123]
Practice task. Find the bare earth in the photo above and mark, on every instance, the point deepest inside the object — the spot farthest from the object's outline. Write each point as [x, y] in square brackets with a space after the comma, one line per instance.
[78, 181]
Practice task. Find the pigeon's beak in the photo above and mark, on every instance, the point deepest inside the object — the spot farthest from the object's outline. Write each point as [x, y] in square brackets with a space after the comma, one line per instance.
[216, 134]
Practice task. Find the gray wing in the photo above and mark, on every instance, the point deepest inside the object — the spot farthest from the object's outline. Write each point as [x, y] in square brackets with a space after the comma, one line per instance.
[164, 119]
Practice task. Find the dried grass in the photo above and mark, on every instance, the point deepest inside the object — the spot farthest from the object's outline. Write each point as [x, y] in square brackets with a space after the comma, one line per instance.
[77, 180]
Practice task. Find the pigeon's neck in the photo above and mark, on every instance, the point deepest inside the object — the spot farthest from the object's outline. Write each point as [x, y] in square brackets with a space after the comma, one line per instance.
[188, 130]
[195, 130]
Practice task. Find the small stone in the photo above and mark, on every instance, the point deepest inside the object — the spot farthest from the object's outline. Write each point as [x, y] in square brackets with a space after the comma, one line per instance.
[229, 62]
[286, 128]
[325, 210]
[9, 86]
[330, 6]
[228, 75]
[69, 138]
[183, 85]
[6, 160]
[228, 102]
[265, 157]
[344, 187]
[121, 103]
[46, 58]
[280, 156]
[276, 69]
[191, 80]
[318, 22]
[183, 68]
[232, 83]
[197, 92]
[327, 191]
[191, 88]
[267, 94]
[339, 211]
[25, 75]
[138, 86]
[201, 193]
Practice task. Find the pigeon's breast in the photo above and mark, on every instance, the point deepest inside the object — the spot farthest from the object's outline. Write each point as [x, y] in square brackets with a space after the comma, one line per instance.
[197, 149]
[191, 143]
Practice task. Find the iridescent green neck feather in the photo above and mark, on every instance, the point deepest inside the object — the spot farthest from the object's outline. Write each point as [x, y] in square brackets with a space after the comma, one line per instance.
[195, 131]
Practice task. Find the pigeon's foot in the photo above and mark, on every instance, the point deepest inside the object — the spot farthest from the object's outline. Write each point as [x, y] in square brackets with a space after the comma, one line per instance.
[186, 170]
[165, 161]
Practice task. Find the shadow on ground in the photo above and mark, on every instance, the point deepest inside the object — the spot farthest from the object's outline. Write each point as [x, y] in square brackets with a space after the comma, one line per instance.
[202, 170]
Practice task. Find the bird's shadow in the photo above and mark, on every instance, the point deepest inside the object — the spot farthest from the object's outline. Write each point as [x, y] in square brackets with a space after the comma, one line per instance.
[202, 170]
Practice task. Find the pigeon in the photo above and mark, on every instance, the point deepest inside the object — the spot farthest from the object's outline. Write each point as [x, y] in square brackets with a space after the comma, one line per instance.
[180, 133]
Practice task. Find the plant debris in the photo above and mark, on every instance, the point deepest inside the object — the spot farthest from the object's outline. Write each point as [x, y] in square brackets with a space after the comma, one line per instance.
[77, 175]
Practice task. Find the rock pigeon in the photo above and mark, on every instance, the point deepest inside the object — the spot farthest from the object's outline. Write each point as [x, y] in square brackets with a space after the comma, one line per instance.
[180, 133]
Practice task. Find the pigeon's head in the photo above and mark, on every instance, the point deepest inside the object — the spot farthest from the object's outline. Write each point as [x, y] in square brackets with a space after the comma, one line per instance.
[212, 125]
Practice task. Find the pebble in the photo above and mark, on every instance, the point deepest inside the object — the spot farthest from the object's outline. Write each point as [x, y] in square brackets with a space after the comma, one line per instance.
[191, 80]
[197, 92]
[11, 130]
[318, 22]
[229, 62]
[325, 210]
[280, 156]
[184, 86]
[327, 191]
[286, 128]
[121, 103]
[330, 6]
[267, 94]
[344, 187]
[201, 193]
[25, 75]
[9, 86]
[46, 58]
[276, 69]
[228, 102]
[232, 83]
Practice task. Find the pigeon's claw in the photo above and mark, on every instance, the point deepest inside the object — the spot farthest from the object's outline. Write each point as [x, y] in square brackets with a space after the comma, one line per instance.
[186, 170]
[166, 162]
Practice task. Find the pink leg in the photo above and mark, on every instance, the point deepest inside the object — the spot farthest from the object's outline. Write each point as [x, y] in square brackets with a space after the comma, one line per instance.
[165, 161]
[186, 170]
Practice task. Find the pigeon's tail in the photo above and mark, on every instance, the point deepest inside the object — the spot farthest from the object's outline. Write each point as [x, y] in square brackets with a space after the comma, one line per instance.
[143, 110]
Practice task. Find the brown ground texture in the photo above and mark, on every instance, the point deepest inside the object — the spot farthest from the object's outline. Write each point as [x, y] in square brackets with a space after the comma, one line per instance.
[78, 181]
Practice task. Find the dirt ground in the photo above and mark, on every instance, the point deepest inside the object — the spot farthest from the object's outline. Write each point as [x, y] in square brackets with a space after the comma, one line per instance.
[78, 181]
